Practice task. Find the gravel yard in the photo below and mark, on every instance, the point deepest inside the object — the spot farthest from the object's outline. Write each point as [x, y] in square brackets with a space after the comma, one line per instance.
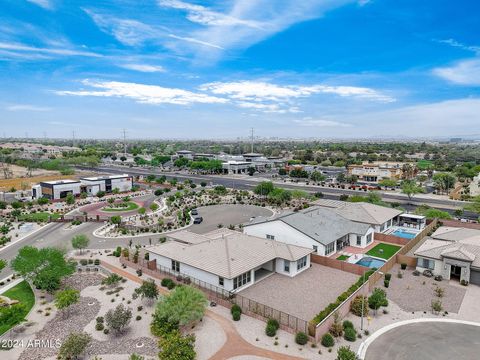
[411, 294]
[304, 295]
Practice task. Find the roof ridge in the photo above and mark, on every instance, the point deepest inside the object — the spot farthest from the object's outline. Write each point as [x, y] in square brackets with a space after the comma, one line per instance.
[227, 251]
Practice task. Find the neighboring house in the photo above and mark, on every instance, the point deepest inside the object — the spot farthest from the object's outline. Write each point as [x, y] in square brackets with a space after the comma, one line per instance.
[318, 228]
[381, 218]
[452, 253]
[228, 259]
[475, 186]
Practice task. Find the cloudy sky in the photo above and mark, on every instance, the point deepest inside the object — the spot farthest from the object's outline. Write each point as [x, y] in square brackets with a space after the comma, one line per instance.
[213, 69]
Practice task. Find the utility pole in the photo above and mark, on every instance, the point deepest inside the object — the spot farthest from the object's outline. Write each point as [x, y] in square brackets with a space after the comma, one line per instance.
[124, 142]
[251, 130]
[73, 138]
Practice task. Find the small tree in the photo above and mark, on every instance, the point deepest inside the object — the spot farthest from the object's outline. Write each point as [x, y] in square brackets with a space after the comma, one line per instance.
[178, 347]
[74, 345]
[80, 242]
[112, 280]
[344, 353]
[356, 305]
[70, 199]
[3, 263]
[377, 299]
[66, 298]
[116, 219]
[142, 211]
[410, 188]
[117, 319]
[148, 289]
[154, 206]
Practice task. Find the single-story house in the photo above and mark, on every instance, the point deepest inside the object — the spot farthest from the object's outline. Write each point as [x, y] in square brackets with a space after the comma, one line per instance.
[452, 253]
[381, 218]
[318, 228]
[228, 259]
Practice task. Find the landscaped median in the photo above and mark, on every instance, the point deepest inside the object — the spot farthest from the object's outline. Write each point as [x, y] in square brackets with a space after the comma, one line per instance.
[12, 315]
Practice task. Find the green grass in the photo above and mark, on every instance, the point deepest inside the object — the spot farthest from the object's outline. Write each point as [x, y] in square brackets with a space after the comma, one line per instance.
[388, 251]
[38, 217]
[131, 206]
[343, 257]
[23, 293]
[424, 164]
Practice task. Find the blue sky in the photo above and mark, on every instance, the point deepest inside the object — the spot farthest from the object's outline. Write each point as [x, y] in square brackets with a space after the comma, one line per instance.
[213, 69]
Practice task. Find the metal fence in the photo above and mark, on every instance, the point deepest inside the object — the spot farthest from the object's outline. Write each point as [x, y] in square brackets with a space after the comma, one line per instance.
[226, 298]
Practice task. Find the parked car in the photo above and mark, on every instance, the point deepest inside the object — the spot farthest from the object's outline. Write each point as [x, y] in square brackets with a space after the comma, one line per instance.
[197, 220]
[194, 212]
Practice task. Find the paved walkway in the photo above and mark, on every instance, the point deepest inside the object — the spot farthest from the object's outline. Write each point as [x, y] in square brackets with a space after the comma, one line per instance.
[235, 344]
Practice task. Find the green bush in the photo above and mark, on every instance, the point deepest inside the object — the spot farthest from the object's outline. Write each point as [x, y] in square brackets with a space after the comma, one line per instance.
[301, 338]
[327, 340]
[350, 334]
[386, 283]
[99, 327]
[356, 305]
[388, 276]
[347, 324]
[236, 315]
[235, 308]
[274, 323]
[270, 330]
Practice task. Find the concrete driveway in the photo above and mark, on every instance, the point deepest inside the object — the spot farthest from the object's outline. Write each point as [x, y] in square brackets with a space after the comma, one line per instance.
[226, 215]
[427, 341]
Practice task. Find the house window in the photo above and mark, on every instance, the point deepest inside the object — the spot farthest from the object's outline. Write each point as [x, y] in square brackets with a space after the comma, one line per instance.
[369, 238]
[270, 237]
[359, 240]
[315, 248]
[426, 263]
[301, 263]
[330, 248]
[286, 265]
[220, 281]
[241, 280]
[175, 266]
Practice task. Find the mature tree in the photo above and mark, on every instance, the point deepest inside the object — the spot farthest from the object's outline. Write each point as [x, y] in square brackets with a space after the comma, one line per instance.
[148, 289]
[4, 229]
[183, 306]
[117, 319]
[44, 267]
[341, 178]
[66, 298]
[279, 196]
[80, 242]
[116, 219]
[264, 188]
[444, 181]
[377, 299]
[178, 347]
[410, 188]
[74, 345]
[142, 211]
[351, 179]
[70, 199]
[388, 182]
[317, 176]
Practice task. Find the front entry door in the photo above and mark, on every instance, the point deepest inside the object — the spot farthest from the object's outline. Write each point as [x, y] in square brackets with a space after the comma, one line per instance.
[455, 271]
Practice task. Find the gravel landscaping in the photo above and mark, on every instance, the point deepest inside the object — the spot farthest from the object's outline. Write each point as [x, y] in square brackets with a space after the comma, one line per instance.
[416, 293]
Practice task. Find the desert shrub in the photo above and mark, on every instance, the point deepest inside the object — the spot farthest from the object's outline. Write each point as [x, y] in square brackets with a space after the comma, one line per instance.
[274, 323]
[301, 338]
[99, 327]
[270, 330]
[388, 276]
[347, 324]
[336, 328]
[386, 283]
[356, 305]
[350, 334]
[327, 340]
[235, 308]
[236, 315]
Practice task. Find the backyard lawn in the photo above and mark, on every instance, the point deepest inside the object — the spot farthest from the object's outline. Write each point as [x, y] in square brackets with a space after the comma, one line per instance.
[343, 257]
[24, 294]
[38, 217]
[384, 251]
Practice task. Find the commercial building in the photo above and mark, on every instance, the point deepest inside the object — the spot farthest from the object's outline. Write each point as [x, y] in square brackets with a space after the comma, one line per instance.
[374, 172]
[453, 253]
[92, 185]
[57, 189]
[228, 259]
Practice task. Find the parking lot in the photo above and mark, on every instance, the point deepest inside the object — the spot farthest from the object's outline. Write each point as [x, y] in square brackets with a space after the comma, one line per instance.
[226, 215]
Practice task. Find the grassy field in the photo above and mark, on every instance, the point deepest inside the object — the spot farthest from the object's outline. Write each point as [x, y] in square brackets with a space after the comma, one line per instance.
[343, 257]
[424, 164]
[38, 217]
[131, 206]
[23, 293]
[384, 251]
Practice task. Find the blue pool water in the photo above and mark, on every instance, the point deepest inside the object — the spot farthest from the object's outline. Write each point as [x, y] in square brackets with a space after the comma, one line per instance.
[371, 262]
[404, 234]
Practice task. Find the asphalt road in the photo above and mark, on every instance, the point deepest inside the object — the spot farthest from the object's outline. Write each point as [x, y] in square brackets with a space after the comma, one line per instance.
[329, 193]
[427, 341]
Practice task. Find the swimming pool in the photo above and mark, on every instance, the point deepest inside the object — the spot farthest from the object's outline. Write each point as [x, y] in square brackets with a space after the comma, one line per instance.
[371, 262]
[404, 234]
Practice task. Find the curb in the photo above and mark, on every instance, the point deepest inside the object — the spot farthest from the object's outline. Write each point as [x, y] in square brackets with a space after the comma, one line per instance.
[362, 350]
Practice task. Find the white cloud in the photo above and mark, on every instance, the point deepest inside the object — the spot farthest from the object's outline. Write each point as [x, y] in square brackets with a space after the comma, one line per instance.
[127, 31]
[308, 121]
[143, 67]
[204, 16]
[457, 44]
[465, 72]
[145, 94]
[27, 107]
[46, 4]
[195, 41]
[25, 49]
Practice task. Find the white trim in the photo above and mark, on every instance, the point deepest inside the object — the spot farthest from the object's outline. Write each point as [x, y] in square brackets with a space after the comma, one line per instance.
[362, 350]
